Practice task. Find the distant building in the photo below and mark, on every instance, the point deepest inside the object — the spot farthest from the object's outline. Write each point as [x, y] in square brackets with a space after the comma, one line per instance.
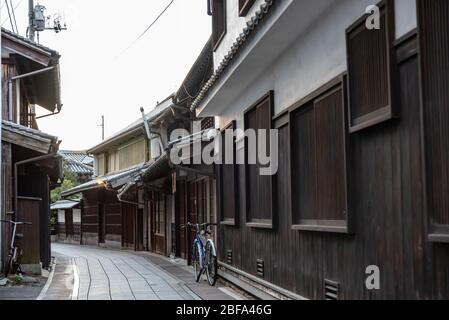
[68, 226]
[79, 163]
[118, 160]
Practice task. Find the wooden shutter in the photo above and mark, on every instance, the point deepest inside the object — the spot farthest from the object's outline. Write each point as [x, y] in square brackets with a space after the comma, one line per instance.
[318, 162]
[259, 188]
[304, 164]
[228, 183]
[434, 38]
[218, 21]
[330, 156]
[369, 71]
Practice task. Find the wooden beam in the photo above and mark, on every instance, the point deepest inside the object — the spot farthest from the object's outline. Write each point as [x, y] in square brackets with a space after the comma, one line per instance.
[35, 54]
[27, 141]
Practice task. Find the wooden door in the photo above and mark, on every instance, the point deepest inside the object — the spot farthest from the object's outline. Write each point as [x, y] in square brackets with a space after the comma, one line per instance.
[139, 230]
[158, 223]
[128, 225]
[192, 205]
[201, 206]
[29, 211]
[101, 224]
[69, 223]
[180, 219]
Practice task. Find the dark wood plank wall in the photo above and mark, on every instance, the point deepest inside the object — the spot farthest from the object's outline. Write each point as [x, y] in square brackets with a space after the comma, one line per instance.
[61, 230]
[29, 210]
[128, 224]
[112, 216]
[69, 222]
[387, 209]
[181, 241]
[36, 184]
[89, 213]
[434, 35]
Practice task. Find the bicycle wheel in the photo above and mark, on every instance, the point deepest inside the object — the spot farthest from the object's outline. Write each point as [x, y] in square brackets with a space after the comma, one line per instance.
[8, 266]
[196, 263]
[212, 265]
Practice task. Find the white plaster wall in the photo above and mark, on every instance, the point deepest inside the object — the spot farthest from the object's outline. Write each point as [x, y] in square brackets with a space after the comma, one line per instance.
[76, 215]
[156, 151]
[234, 26]
[313, 59]
[406, 16]
[61, 216]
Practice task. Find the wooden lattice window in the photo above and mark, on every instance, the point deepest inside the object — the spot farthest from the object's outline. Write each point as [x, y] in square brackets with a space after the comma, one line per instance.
[318, 162]
[207, 123]
[370, 72]
[259, 194]
[434, 52]
[228, 180]
[159, 203]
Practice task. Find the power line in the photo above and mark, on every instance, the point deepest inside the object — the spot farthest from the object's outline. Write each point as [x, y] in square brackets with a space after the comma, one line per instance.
[15, 8]
[14, 16]
[147, 29]
[9, 14]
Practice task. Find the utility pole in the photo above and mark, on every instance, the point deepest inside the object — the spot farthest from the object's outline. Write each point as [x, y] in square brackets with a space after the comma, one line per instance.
[31, 31]
[37, 21]
[102, 127]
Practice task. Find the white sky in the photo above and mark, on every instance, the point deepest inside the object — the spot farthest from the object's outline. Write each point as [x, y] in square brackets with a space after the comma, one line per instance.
[96, 79]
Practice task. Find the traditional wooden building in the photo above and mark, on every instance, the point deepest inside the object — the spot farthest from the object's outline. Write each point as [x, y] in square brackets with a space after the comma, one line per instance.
[177, 193]
[109, 218]
[195, 186]
[68, 225]
[105, 220]
[361, 114]
[155, 182]
[31, 166]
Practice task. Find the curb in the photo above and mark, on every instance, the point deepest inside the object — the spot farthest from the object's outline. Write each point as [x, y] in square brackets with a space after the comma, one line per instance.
[48, 283]
[76, 280]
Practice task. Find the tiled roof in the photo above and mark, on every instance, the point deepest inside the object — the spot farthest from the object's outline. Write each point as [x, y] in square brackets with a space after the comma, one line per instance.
[17, 128]
[78, 156]
[199, 73]
[78, 167]
[28, 42]
[65, 204]
[155, 170]
[113, 180]
[47, 86]
[251, 26]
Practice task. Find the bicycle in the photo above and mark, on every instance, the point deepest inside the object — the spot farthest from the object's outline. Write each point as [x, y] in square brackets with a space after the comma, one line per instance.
[204, 254]
[12, 262]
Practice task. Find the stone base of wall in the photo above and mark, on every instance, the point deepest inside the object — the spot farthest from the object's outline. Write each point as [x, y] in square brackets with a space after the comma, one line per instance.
[90, 239]
[32, 269]
[113, 241]
[62, 238]
[257, 287]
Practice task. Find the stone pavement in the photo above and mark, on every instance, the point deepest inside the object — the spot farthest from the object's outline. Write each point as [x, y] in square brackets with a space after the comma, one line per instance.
[60, 286]
[22, 292]
[104, 274]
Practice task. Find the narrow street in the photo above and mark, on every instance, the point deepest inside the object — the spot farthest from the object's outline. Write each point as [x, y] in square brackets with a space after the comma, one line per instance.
[90, 273]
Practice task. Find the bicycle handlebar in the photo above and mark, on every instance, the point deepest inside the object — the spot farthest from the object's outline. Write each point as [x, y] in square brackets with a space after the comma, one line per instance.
[189, 224]
[16, 222]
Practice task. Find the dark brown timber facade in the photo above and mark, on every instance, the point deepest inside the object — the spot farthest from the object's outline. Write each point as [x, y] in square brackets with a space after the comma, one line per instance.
[363, 154]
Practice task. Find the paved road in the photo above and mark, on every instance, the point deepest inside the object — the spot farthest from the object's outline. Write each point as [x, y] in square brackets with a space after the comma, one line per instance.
[103, 274]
